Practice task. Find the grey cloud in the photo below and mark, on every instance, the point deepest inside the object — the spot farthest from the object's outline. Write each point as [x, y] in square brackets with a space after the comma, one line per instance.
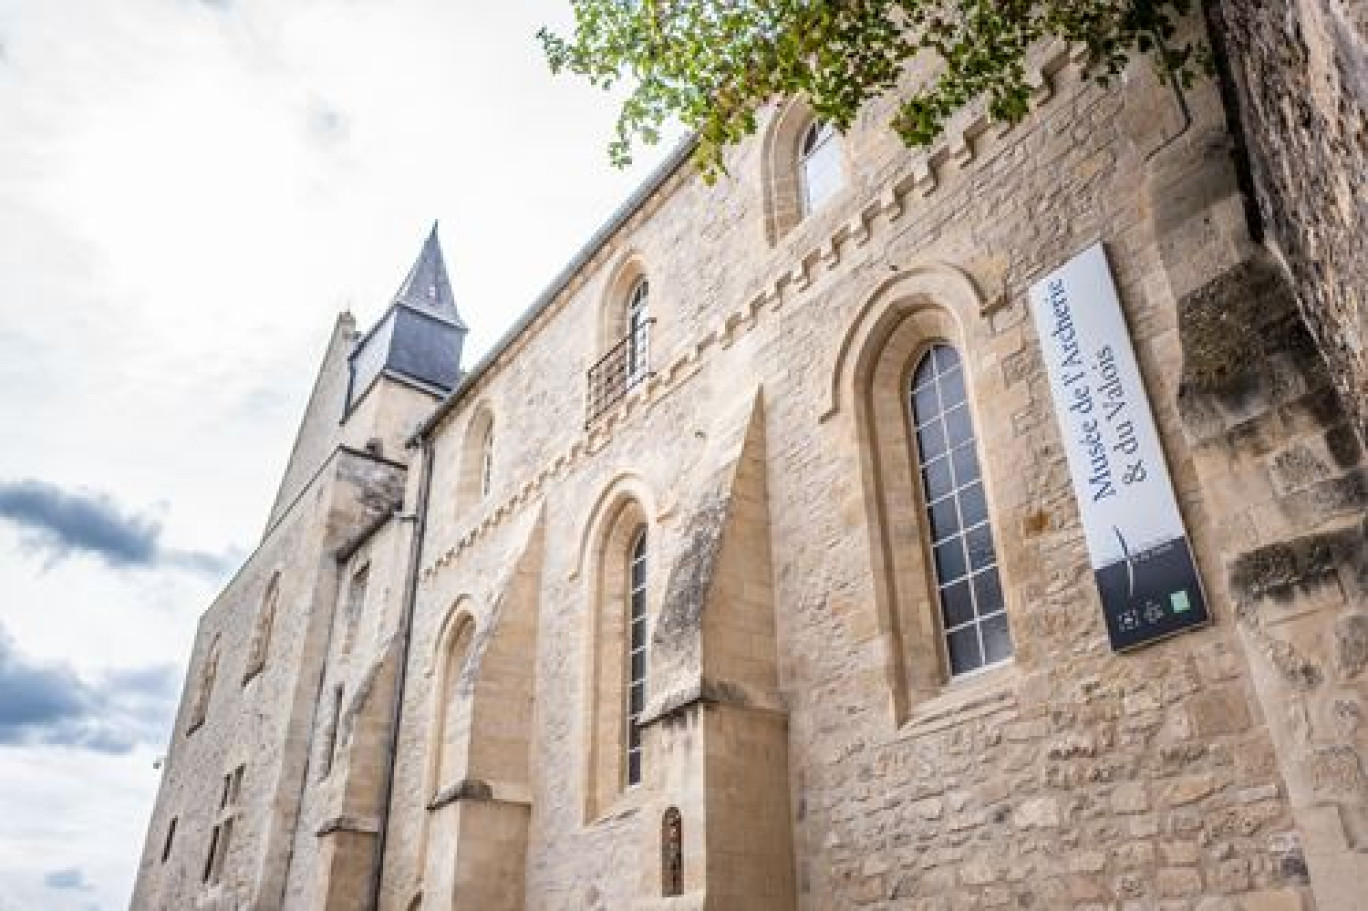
[325, 123]
[68, 879]
[49, 703]
[58, 524]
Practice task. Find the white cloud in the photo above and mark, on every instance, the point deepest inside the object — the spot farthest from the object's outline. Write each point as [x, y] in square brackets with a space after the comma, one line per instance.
[189, 191]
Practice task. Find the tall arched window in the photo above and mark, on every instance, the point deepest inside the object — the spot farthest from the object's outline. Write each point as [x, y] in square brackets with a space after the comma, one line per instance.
[638, 331]
[973, 618]
[819, 165]
[636, 654]
[616, 557]
[453, 716]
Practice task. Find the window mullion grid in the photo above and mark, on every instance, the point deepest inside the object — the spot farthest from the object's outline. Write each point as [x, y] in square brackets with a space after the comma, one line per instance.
[636, 659]
[937, 426]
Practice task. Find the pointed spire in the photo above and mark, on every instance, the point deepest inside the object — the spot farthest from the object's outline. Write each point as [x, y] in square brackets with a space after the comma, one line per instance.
[427, 287]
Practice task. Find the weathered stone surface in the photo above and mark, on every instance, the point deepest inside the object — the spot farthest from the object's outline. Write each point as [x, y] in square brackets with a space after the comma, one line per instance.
[1299, 73]
[801, 718]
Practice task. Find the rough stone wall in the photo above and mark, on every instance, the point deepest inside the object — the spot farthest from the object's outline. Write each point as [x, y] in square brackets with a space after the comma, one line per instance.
[1072, 778]
[1285, 470]
[334, 842]
[1301, 70]
[264, 722]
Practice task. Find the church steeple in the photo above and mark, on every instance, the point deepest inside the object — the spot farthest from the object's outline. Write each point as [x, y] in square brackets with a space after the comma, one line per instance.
[426, 286]
[419, 339]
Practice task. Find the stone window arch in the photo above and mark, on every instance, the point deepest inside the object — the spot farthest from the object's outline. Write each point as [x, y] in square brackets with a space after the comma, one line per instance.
[204, 687]
[617, 634]
[260, 645]
[906, 375]
[803, 167]
[626, 324]
[452, 689]
[475, 478]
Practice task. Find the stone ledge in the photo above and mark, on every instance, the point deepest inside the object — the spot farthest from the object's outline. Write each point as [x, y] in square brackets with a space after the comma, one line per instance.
[708, 692]
[474, 789]
[1283, 569]
[994, 693]
[356, 825]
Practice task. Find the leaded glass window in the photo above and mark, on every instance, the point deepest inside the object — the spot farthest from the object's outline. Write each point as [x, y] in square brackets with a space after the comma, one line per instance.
[967, 583]
[636, 654]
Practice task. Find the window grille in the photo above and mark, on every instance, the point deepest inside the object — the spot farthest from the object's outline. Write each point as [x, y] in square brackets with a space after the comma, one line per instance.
[625, 365]
[636, 655]
[968, 587]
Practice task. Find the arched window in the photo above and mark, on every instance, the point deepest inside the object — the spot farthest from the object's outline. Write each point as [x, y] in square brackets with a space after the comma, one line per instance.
[475, 475]
[261, 633]
[199, 709]
[671, 853]
[636, 654]
[617, 638]
[638, 332]
[819, 166]
[487, 462]
[453, 716]
[973, 618]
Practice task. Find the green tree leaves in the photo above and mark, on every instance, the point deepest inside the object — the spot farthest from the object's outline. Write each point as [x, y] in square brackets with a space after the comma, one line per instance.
[712, 64]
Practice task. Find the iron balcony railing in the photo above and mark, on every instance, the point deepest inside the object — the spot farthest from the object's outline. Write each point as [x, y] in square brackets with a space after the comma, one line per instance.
[625, 365]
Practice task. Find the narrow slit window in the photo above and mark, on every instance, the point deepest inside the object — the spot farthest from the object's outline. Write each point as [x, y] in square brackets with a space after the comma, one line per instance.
[969, 591]
[170, 839]
[487, 463]
[636, 655]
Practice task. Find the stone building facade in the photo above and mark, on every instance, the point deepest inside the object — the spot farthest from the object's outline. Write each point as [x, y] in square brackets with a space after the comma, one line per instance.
[649, 608]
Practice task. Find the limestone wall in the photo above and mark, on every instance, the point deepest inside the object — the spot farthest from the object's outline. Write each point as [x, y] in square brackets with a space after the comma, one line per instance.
[1070, 778]
[260, 723]
[1301, 70]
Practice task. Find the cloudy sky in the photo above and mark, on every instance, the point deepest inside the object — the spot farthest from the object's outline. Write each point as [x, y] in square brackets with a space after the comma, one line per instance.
[190, 190]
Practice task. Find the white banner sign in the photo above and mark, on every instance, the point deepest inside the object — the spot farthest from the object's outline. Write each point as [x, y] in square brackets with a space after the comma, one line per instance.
[1136, 540]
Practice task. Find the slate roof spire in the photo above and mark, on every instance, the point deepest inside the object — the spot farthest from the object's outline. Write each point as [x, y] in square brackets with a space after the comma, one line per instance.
[419, 339]
[426, 287]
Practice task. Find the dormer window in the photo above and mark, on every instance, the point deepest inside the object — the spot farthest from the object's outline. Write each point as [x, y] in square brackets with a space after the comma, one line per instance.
[819, 166]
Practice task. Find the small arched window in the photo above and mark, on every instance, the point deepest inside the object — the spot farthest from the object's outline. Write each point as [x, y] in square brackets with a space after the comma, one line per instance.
[261, 633]
[636, 653]
[475, 475]
[199, 709]
[819, 166]
[487, 463]
[973, 618]
[672, 853]
[638, 331]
